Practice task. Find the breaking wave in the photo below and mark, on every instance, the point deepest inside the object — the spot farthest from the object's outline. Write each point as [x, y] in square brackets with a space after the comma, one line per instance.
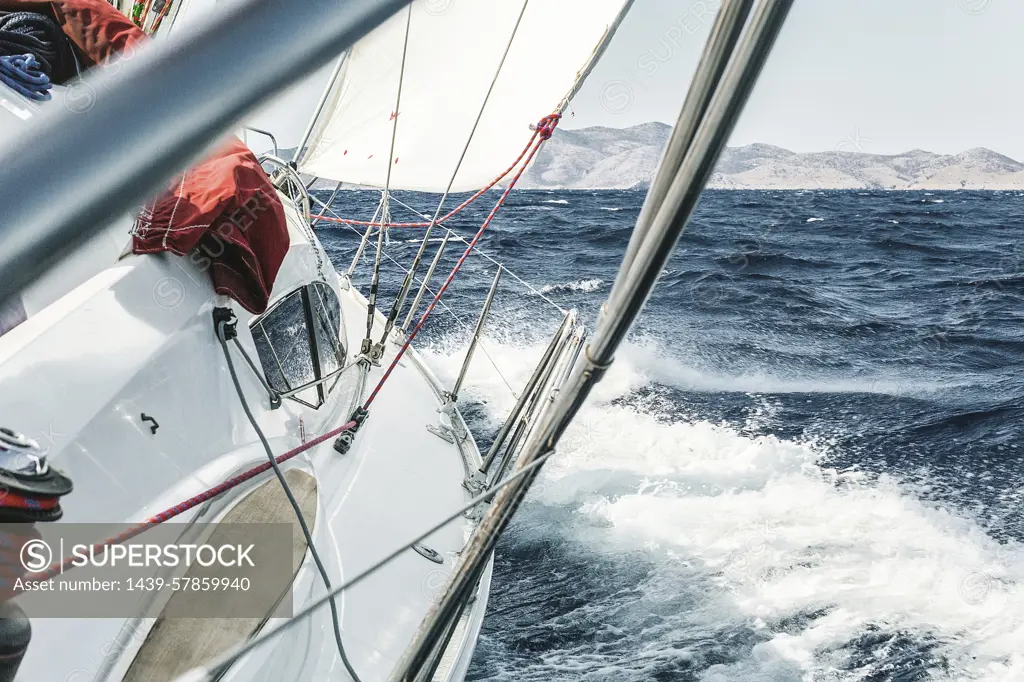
[696, 546]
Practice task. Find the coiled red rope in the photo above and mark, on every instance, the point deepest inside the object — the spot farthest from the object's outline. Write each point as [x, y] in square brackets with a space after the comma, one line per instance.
[194, 501]
[542, 131]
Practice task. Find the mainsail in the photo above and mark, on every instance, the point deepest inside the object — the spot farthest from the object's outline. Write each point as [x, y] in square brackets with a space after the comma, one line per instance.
[453, 52]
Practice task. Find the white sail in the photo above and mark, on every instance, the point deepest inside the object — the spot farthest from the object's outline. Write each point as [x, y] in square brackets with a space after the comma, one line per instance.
[454, 49]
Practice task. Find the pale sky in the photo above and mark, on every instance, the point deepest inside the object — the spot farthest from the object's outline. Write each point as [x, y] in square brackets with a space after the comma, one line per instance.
[880, 76]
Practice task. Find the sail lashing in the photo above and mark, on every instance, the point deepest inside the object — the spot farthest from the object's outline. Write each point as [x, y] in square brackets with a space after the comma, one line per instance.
[443, 89]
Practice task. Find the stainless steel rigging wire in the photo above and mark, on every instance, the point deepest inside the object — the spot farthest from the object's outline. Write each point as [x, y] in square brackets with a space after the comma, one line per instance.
[403, 292]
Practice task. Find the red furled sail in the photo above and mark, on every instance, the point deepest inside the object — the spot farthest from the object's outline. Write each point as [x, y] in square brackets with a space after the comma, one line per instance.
[225, 214]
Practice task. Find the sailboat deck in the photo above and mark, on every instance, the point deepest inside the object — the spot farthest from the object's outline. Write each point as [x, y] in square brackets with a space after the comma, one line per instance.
[397, 480]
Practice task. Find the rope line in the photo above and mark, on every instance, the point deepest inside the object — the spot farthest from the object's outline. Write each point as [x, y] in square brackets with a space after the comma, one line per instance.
[542, 132]
[537, 292]
[194, 501]
[447, 216]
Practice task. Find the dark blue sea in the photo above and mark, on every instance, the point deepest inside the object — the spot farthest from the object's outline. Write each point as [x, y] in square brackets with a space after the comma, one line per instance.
[806, 463]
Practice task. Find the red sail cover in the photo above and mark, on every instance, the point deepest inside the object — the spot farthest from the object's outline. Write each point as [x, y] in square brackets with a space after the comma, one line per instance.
[227, 216]
[223, 212]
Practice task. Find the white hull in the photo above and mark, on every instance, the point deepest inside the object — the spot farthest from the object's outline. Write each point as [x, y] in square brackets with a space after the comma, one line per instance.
[138, 338]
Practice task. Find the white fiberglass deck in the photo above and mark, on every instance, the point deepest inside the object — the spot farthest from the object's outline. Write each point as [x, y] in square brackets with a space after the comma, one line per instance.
[397, 480]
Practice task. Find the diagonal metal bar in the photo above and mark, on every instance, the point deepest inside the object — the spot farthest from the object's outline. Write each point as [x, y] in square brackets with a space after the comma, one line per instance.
[725, 32]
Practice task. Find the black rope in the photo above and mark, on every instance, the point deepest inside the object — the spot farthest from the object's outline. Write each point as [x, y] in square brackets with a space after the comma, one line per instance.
[38, 35]
[222, 336]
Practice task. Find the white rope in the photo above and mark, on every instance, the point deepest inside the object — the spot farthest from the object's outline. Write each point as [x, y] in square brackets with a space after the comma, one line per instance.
[410, 208]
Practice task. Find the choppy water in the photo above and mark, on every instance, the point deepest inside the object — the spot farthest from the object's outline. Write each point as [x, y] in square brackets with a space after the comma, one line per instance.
[807, 463]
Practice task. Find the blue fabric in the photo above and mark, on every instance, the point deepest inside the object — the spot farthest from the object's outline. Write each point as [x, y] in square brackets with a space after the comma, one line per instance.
[23, 74]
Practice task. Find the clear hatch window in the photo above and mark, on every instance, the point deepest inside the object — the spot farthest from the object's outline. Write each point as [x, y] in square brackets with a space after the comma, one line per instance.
[299, 344]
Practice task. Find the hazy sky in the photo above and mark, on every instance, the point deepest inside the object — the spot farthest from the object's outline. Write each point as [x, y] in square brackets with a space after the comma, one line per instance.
[880, 76]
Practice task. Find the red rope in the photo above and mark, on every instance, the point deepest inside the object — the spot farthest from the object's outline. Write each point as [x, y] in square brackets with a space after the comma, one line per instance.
[57, 568]
[461, 206]
[542, 132]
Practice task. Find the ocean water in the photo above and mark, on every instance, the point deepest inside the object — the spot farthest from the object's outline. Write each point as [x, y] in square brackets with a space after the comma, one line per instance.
[806, 463]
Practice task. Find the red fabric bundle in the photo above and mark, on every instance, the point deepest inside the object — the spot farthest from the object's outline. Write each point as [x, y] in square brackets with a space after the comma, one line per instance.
[227, 215]
[98, 31]
[223, 211]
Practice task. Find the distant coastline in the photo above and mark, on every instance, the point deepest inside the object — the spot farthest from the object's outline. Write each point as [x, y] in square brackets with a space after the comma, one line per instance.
[611, 158]
[626, 158]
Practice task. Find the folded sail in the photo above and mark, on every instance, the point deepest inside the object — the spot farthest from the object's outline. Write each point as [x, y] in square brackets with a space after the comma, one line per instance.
[454, 49]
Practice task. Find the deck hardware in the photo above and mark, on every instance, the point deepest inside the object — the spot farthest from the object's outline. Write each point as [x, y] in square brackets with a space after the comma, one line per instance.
[227, 316]
[31, 487]
[344, 442]
[31, 493]
[441, 432]
[154, 425]
[21, 455]
[475, 482]
[428, 553]
[455, 425]
[376, 353]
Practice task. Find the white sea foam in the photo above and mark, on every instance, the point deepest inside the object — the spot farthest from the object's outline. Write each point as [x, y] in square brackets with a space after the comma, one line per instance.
[774, 530]
[582, 285]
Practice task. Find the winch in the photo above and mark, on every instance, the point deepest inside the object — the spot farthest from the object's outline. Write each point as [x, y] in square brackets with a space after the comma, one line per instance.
[30, 491]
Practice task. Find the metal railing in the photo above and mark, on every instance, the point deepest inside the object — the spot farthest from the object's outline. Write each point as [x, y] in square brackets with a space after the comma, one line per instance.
[287, 179]
[532, 402]
[476, 342]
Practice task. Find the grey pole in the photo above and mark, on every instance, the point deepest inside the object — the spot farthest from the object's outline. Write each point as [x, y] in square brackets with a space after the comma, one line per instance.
[426, 280]
[524, 397]
[721, 43]
[454, 395]
[126, 129]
